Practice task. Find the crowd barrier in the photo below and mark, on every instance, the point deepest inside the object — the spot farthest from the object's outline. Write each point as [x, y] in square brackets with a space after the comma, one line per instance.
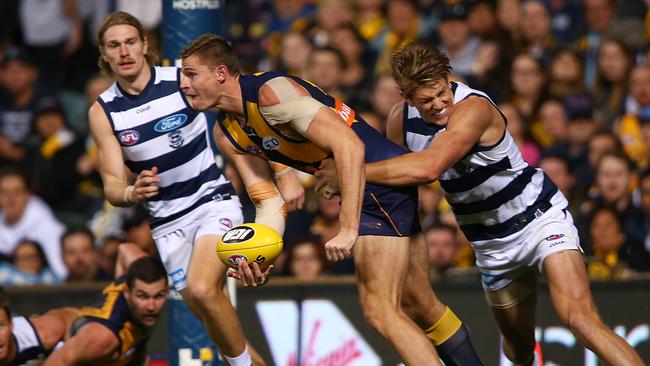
[321, 323]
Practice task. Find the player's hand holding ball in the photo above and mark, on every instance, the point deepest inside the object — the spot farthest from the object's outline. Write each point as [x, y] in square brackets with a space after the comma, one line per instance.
[249, 250]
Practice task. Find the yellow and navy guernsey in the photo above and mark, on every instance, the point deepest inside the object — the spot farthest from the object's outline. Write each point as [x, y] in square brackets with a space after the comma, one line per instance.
[386, 211]
[113, 312]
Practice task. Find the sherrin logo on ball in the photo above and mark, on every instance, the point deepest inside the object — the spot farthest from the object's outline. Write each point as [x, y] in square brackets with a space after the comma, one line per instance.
[251, 243]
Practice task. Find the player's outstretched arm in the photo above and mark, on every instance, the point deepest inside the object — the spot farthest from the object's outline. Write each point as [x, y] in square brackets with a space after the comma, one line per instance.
[93, 342]
[51, 327]
[127, 253]
[465, 128]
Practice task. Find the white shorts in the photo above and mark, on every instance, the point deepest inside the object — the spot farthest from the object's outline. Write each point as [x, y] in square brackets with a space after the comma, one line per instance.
[550, 233]
[176, 246]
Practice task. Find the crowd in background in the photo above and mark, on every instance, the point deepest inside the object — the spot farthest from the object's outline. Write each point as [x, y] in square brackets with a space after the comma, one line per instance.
[572, 78]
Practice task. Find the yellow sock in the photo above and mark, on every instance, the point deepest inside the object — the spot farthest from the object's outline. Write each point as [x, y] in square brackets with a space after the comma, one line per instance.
[445, 327]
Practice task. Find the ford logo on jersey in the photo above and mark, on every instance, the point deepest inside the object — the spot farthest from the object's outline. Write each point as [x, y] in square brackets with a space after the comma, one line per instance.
[170, 123]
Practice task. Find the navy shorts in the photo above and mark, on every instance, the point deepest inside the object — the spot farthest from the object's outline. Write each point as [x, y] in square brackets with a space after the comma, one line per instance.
[386, 211]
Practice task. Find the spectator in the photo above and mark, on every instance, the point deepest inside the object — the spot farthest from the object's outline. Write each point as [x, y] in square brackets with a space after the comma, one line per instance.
[80, 257]
[25, 216]
[359, 61]
[535, 28]
[108, 254]
[567, 20]
[529, 150]
[629, 127]
[384, 96]
[306, 260]
[28, 266]
[614, 176]
[324, 68]
[296, 48]
[555, 124]
[508, 13]
[558, 167]
[19, 78]
[330, 15]
[529, 92]
[566, 73]
[644, 187]
[614, 256]
[370, 19]
[582, 126]
[458, 43]
[614, 63]
[442, 249]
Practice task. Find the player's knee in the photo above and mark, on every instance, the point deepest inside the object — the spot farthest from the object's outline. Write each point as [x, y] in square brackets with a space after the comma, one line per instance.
[204, 293]
[377, 310]
[581, 319]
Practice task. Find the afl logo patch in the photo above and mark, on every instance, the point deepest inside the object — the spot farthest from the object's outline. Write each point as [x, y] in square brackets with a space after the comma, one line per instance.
[170, 123]
[270, 143]
[128, 137]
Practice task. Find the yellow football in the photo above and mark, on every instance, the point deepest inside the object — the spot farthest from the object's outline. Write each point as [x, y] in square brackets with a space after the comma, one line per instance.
[250, 242]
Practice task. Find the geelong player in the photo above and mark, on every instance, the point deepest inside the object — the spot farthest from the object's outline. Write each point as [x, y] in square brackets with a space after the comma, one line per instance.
[515, 217]
[143, 124]
[277, 117]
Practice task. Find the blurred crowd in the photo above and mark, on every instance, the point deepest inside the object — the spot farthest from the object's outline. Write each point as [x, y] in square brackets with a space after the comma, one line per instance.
[572, 77]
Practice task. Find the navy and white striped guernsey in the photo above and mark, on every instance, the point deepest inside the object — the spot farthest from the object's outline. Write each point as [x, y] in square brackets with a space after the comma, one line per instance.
[159, 128]
[492, 191]
[28, 344]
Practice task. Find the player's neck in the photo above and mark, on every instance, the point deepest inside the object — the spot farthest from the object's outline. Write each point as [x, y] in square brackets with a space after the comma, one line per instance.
[231, 100]
[136, 84]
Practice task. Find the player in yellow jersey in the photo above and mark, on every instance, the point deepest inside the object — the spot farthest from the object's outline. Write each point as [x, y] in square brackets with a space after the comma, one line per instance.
[277, 117]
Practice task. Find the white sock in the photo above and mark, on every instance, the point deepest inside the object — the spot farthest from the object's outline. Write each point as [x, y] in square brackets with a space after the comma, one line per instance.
[242, 360]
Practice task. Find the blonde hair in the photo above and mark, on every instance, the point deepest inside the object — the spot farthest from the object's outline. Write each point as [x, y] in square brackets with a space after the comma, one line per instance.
[120, 18]
[213, 50]
[417, 65]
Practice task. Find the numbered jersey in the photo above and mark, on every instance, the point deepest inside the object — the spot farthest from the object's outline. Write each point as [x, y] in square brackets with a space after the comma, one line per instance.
[157, 128]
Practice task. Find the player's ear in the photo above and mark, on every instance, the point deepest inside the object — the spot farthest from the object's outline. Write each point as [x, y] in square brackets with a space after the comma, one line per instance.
[222, 72]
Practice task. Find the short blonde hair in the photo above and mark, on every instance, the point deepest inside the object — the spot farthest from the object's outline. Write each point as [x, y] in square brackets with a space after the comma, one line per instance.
[417, 65]
[213, 50]
[120, 18]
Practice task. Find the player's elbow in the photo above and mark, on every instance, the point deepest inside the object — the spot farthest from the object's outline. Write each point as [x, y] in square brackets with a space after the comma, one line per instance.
[427, 175]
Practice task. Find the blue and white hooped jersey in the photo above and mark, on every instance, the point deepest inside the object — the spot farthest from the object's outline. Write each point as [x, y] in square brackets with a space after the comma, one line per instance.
[28, 344]
[158, 128]
[493, 192]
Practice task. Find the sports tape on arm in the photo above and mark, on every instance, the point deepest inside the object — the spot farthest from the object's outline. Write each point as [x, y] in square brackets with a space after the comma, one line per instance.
[270, 208]
[299, 110]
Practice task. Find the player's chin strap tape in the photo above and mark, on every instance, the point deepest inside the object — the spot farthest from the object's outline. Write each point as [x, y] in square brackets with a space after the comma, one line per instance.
[270, 208]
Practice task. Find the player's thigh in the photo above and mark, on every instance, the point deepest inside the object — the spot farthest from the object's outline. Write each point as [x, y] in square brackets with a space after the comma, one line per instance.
[381, 263]
[568, 282]
[205, 268]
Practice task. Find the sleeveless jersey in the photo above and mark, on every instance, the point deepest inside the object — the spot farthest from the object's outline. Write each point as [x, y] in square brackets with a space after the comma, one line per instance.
[492, 191]
[158, 128]
[386, 211]
[28, 344]
[113, 312]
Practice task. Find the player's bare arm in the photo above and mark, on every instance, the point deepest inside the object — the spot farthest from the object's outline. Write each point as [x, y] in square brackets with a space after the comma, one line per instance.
[111, 165]
[327, 130]
[473, 121]
[289, 186]
[94, 342]
[51, 326]
[270, 208]
[127, 253]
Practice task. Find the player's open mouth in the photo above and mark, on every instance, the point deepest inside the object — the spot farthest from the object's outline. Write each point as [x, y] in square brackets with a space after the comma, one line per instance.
[441, 113]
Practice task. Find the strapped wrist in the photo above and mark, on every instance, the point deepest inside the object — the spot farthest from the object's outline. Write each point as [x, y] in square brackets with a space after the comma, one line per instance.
[127, 195]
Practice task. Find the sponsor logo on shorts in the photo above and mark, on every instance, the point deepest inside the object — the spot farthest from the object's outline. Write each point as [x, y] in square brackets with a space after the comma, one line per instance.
[235, 259]
[176, 139]
[178, 276]
[170, 123]
[554, 237]
[489, 279]
[128, 137]
[270, 143]
[225, 222]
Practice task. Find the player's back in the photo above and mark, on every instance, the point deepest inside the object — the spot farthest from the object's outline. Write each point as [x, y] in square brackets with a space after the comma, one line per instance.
[281, 144]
